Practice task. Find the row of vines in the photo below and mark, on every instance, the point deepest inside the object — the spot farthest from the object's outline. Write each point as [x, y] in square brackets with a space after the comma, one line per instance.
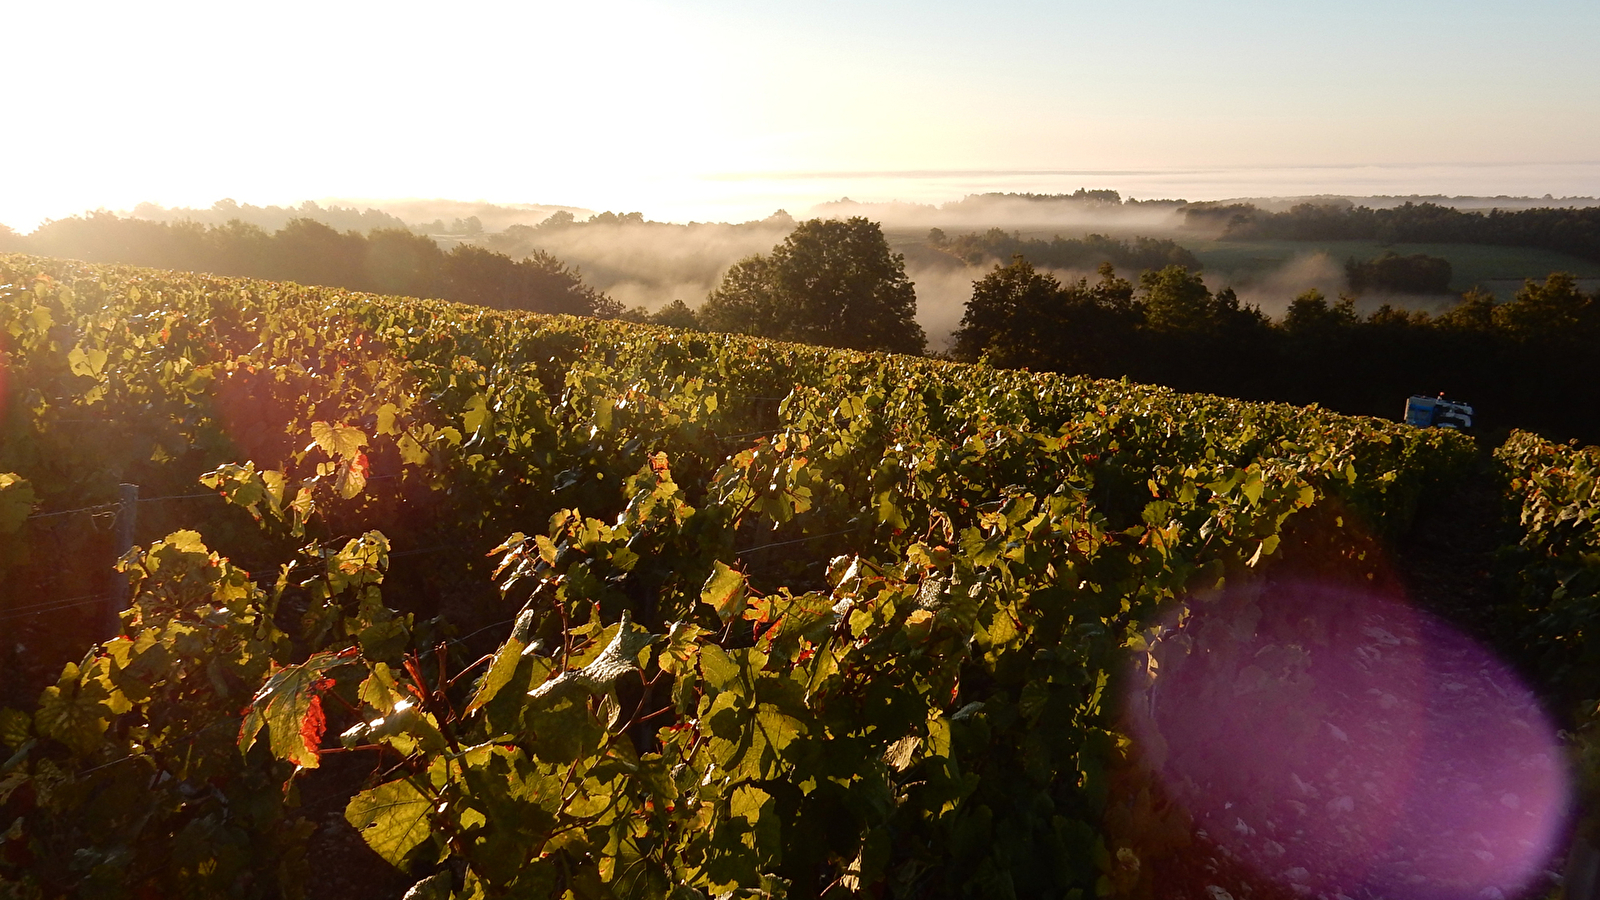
[554, 607]
[1554, 585]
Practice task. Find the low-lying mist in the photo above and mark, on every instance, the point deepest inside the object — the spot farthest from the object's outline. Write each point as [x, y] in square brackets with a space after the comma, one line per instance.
[1033, 215]
[643, 263]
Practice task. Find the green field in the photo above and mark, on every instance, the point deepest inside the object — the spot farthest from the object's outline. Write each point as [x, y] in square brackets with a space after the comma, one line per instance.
[1498, 269]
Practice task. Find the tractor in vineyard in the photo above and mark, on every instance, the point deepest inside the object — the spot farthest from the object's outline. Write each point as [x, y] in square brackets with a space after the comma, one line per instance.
[1437, 412]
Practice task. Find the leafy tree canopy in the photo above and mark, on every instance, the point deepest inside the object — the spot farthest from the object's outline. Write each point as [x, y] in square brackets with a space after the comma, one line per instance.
[1088, 252]
[831, 282]
[309, 251]
[1555, 310]
[1391, 272]
[1021, 317]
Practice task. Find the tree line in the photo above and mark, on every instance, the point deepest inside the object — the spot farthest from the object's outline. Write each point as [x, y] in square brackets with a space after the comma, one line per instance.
[1563, 229]
[384, 260]
[1529, 363]
[997, 245]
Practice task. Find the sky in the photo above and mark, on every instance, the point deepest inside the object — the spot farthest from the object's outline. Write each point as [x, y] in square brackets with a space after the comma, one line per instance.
[720, 110]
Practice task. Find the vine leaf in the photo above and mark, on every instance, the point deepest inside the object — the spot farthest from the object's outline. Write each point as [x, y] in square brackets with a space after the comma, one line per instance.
[477, 414]
[725, 591]
[73, 713]
[289, 706]
[504, 664]
[86, 362]
[13, 727]
[16, 501]
[352, 477]
[338, 441]
[619, 657]
[392, 818]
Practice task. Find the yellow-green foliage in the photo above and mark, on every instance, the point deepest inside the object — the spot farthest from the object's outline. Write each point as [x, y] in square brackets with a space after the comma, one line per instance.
[784, 617]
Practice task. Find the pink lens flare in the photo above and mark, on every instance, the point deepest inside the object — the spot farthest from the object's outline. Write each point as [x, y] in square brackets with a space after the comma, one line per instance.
[1339, 742]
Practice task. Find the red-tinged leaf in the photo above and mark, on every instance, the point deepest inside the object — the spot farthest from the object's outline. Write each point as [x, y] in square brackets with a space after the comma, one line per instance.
[352, 477]
[284, 706]
[312, 727]
[725, 591]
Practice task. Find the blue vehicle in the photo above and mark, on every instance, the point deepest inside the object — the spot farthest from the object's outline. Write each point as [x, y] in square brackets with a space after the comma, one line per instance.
[1437, 412]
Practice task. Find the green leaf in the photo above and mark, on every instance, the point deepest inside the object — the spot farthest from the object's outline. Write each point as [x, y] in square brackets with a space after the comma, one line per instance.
[386, 417]
[338, 441]
[1253, 486]
[379, 690]
[413, 453]
[362, 562]
[351, 479]
[477, 414]
[393, 818]
[504, 664]
[74, 714]
[16, 501]
[725, 591]
[384, 640]
[14, 726]
[289, 706]
[720, 670]
[90, 362]
[748, 803]
[682, 649]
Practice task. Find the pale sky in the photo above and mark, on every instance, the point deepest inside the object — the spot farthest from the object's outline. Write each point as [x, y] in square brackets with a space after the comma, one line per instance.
[719, 109]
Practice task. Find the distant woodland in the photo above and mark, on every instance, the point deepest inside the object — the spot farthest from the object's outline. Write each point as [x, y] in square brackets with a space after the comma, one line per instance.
[1562, 229]
[1530, 363]
[1087, 253]
[384, 260]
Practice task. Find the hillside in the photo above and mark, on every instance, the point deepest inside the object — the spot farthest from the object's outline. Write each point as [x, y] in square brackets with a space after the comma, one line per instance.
[552, 604]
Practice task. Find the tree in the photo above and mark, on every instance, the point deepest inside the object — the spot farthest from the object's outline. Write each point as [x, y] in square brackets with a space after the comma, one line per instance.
[540, 283]
[676, 314]
[1474, 312]
[830, 282]
[1010, 317]
[1310, 314]
[1020, 317]
[1177, 300]
[402, 262]
[1414, 274]
[1555, 311]
[310, 252]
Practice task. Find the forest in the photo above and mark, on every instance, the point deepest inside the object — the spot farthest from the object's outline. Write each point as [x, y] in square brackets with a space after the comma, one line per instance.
[1574, 230]
[1529, 363]
[384, 260]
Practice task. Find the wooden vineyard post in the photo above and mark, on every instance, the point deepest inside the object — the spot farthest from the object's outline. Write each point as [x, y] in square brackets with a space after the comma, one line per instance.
[127, 517]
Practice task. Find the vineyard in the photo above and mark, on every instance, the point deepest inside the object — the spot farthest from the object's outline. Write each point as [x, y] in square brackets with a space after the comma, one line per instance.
[561, 607]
